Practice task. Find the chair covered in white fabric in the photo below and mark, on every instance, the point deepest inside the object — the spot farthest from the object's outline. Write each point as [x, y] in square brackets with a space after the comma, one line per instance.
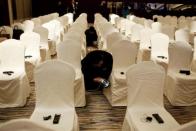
[8, 30]
[123, 25]
[193, 27]
[31, 41]
[148, 23]
[193, 66]
[54, 81]
[113, 38]
[117, 21]
[65, 22]
[53, 27]
[135, 35]
[192, 31]
[76, 36]
[14, 88]
[159, 49]
[128, 31]
[24, 125]
[70, 18]
[145, 45]
[44, 46]
[28, 25]
[182, 35]
[36, 21]
[124, 54]
[191, 126]
[70, 51]
[182, 22]
[44, 19]
[145, 97]
[180, 88]
[157, 27]
[112, 18]
[105, 30]
[54, 15]
[169, 30]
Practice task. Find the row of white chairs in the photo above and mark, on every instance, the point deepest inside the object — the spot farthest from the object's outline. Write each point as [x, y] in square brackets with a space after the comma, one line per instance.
[145, 97]
[72, 49]
[53, 79]
[159, 44]
[124, 54]
[31, 42]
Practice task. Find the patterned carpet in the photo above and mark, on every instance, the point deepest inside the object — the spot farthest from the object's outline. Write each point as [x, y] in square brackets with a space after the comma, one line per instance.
[98, 114]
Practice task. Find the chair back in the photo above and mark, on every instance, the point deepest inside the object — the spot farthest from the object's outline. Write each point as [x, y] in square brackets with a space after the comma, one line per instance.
[124, 54]
[70, 51]
[160, 43]
[145, 85]
[12, 54]
[180, 56]
[54, 82]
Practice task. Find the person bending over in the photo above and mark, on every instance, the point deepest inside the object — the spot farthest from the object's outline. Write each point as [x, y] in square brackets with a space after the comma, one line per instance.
[97, 67]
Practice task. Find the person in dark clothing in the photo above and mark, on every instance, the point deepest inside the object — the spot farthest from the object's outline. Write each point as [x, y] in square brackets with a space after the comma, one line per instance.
[91, 36]
[97, 67]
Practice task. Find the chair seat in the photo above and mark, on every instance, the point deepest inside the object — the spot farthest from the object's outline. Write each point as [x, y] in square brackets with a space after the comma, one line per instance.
[17, 74]
[34, 59]
[44, 45]
[183, 93]
[66, 119]
[120, 75]
[14, 88]
[136, 116]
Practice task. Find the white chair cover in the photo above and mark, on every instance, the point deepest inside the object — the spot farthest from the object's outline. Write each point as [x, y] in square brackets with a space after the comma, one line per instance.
[36, 21]
[182, 35]
[24, 125]
[31, 41]
[148, 23]
[157, 27]
[191, 126]
[44, 47]
[135, 36]
[193, 66]
[112, 18]
[105, 30]
[124, 54]
[8, 30]
[180, 88]
[128, 31]
[112, 39]
[28, 25]
[70, 51]
[74, 35]
[160, 43]
[169, 30]
[193, 27]
[53, 27]
[145, 45]
[54, 81]
[14, 89]
[123, 23]
[70, 16]
[145, 97]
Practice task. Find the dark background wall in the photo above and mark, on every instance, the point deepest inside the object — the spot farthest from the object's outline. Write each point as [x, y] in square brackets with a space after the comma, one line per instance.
[42, 7]
[4, 14]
